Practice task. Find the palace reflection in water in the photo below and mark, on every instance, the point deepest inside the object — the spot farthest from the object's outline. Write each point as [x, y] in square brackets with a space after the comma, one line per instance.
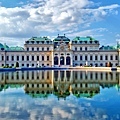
[59, 83]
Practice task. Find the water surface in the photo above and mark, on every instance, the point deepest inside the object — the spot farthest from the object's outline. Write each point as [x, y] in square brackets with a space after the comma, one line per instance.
[56, 95]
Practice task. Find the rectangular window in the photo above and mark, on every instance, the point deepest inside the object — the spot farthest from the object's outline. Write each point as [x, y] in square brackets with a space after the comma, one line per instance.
[22, 58]
[101, 57]
[2, 57]
[37, 58]
[116, 57]
[42, 49]
[47, 57]
[27, 58]
[80, 48]
[33, 58]
[75, 48]
[42, 74]
[106, 57]
[111, 57]
[91, 57]
[80, 57]
[17, 58]
[27, 49]
[96, 57]
[42, 57]
[7, 58]
[86, 57]
[47, 48]
[75, 57]
[32, 49]
[85, 48]
[37, 49]
[47, 75]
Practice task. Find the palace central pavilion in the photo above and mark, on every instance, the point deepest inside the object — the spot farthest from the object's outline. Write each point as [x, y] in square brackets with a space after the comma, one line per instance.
[42, 51]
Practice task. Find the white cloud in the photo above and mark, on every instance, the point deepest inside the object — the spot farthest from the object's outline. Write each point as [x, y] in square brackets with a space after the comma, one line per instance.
[89, 32]
[109, 7]
[49, 16]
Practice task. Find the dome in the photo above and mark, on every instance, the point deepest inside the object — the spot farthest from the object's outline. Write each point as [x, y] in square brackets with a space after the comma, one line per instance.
[1, 45]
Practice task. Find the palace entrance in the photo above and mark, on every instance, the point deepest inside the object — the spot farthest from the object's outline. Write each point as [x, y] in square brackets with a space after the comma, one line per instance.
[62, 60]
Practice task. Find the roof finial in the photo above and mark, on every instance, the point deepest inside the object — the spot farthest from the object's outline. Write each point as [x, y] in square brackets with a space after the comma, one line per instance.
[58, 35]
[64, 34]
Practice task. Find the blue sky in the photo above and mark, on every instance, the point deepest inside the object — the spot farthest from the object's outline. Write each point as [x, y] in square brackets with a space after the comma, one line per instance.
[22, 19]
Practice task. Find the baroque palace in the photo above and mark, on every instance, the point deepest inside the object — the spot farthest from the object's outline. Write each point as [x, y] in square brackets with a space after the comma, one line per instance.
[42, 51]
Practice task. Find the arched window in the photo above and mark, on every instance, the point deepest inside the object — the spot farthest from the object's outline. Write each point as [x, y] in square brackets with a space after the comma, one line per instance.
[91, 64]
[62, 60]
[67, 60]
[55, 60]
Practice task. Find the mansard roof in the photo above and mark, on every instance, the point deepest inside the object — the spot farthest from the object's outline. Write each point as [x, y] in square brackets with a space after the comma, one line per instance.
[39, 39]
[107, 47]
[4, 47]
[61, 38]
[88, 38]
[16, 48]
[1, 45]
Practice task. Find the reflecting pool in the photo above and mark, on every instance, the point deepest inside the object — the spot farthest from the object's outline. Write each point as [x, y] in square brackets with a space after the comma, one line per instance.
[59, 95]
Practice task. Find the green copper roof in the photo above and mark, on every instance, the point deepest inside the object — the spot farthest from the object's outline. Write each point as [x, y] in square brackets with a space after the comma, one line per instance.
[39, 39]
[61, 38]
[17, 48]
[1, 45]
[88, 38]
[6, 47]
[107, 48]
[87, 95]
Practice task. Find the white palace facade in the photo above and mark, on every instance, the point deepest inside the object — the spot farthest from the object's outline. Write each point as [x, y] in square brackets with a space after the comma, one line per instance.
[42, 51]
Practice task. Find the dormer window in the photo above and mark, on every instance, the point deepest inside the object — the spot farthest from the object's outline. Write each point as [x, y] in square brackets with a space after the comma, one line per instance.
[32, 41]
[42, 42]
[96, 41]
[85, 41]
[91, 42]
[47, 42]
[2, 48]
[75, 41]
[80, 41]
[27, 42]
[37, 42]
